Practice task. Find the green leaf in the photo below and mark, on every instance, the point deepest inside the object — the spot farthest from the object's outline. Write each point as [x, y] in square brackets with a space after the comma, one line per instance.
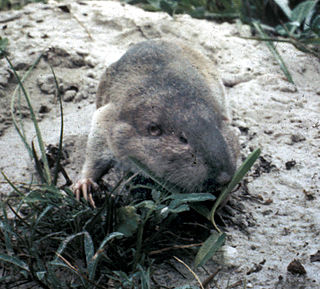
[193, 197]
[202, 210]
[179, 199]
[3, 46]
[41, 274]
[144, 277]
[209, 247]
[179, 209]
[43, 213]
[88, 248]
[315, 25]
[146, 204]
[92, 266]
[240, 173]
[14, 261]
[128, 220]
[301, 11]
[65, 243]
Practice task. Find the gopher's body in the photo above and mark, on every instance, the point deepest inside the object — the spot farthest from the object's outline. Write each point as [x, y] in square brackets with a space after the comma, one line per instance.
[162, 104]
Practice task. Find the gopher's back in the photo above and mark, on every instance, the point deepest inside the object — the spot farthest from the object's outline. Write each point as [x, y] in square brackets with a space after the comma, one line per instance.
[163, 66]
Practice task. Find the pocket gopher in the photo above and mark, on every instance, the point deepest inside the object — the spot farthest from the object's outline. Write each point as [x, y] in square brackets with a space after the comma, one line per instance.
[162, 104]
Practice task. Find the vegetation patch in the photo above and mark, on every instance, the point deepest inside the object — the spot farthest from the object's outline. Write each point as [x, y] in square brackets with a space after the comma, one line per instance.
[49, 239]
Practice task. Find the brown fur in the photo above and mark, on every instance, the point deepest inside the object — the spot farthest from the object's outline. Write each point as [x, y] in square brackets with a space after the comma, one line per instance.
[163, 105]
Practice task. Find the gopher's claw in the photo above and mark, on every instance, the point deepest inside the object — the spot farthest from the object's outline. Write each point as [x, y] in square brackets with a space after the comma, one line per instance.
[84, 188]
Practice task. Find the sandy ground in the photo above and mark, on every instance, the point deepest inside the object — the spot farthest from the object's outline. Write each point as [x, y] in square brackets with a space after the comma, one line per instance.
[280, 219]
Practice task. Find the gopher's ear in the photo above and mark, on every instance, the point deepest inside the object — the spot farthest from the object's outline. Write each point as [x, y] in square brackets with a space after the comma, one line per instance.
[103, 92]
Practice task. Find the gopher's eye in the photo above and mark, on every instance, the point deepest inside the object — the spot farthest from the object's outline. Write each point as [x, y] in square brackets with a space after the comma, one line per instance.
[183, 139]
[154, 130]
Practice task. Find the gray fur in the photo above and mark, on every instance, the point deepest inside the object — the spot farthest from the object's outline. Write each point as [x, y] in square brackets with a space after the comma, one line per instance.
[163, 104]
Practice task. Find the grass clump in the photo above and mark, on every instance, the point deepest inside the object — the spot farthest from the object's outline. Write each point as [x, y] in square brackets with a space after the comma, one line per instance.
[50, 240]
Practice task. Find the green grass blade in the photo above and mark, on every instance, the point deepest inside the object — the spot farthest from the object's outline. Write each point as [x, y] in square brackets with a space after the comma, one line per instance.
[15, 123]
[7, 230]
[65, 243]
[241, 172]
[144, 277]
[274, 52]
[11, 184]
[43, 213]
[209, 248]
[92, 266]
[35, 123]
[14, 261]
[88, 248]
[202, 210]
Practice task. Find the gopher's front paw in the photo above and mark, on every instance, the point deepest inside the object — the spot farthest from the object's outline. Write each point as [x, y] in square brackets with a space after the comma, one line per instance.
[85, 188]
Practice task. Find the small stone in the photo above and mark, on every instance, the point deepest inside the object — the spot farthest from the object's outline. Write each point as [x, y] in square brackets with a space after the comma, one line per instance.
[309, 195]
[69, 95]
[47, 83]
[82, 52]
[288, 87]
[21, 63]
[255, 268]
[44, 109]
[90, 61]
[315, 257]
[91, 74]
[77, 60]
[268, 131]
[297, 138]
[290, 164]
[296, 268]
[4, 77]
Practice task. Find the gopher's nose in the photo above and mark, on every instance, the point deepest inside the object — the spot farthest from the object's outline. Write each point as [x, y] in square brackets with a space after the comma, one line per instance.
[223, 178]
[213, 183]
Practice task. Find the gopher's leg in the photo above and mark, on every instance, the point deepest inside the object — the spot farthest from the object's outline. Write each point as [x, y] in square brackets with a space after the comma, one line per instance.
[99, 160]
